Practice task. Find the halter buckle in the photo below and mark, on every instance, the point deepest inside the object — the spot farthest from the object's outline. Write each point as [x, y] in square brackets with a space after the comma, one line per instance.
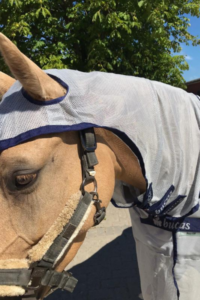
[36, 277]
[99, 216]
[88, 180]
[100, 211]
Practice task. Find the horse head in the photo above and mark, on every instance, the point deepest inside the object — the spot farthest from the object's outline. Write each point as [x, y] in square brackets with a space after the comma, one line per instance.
[41, 176]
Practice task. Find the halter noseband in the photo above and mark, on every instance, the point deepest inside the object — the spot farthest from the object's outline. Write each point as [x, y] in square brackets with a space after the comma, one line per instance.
[42, 273]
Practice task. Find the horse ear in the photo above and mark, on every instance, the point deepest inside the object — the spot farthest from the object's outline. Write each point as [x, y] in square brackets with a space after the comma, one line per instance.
[5, 83]
[36, 83]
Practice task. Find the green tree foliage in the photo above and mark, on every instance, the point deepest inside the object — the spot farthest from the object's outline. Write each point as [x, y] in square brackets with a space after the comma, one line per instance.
[122, 36]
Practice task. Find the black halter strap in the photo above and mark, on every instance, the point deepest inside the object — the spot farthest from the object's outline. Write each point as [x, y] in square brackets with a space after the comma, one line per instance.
[89, 160]
[42, 274]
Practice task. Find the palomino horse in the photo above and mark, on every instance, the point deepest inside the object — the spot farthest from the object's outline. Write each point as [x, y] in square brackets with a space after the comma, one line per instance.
[53, 175]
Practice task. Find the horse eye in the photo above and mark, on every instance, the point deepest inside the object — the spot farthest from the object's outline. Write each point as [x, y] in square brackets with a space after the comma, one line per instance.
[24, 179]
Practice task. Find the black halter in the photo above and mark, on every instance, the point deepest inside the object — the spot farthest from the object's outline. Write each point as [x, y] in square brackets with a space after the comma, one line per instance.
[42, 273]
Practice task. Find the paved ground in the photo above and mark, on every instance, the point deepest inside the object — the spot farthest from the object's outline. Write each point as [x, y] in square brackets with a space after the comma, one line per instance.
[106, 265]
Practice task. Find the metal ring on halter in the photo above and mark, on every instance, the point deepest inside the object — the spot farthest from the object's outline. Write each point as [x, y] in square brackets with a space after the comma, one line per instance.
[87, 181]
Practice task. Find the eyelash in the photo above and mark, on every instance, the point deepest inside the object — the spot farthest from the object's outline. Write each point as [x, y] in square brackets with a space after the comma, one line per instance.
[25, 180]
[14, 187]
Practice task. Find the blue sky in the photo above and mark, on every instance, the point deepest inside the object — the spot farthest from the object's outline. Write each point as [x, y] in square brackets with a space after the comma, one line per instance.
[192, 53]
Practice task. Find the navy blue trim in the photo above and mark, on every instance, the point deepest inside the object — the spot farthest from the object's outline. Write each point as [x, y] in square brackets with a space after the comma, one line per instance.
[175, 256]
[191, 212]
[131, 145]
[5, 144]
[50, 102]
[171, 224]
[158, 207]
[193, 223]
[121, 205]
[8, 143]
[173, 204]
[136, 203]
[136, 151]
[148, 196]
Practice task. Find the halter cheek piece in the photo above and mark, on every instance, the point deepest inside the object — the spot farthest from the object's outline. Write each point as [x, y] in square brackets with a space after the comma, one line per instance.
[42, 273]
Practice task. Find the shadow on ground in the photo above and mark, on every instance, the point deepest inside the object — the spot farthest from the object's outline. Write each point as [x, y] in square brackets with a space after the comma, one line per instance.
[110, 274]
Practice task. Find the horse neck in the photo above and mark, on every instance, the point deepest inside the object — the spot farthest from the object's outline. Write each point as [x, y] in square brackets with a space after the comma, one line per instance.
[126, 165]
